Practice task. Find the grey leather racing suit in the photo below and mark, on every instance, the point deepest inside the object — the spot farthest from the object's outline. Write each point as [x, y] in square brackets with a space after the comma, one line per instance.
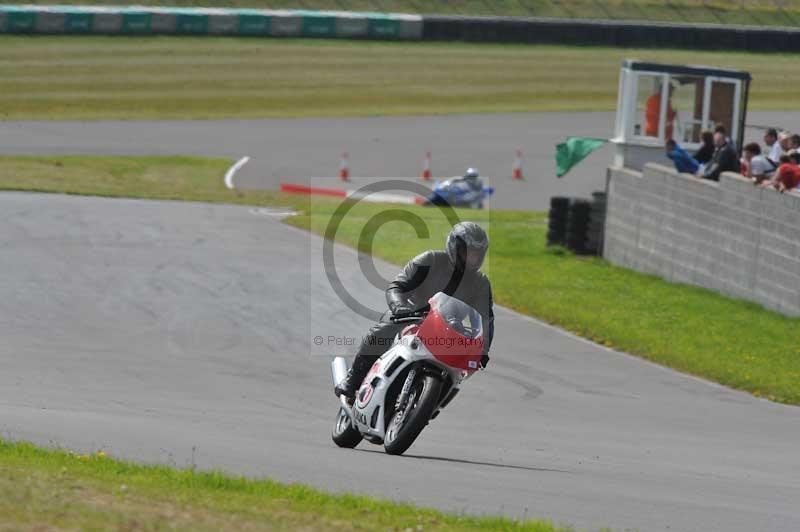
[421, 279]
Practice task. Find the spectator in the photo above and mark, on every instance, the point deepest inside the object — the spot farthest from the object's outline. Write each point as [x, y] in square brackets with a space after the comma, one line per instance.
[754, 165]
[721, 129]
[653, 114]
[774, 147]
[787, 177]
[706, 151]
[794, 142]
[785, 140]
[725, 159]
[684, 162]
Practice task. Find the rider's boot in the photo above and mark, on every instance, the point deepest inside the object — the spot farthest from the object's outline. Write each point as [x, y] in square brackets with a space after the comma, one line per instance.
[352, 382]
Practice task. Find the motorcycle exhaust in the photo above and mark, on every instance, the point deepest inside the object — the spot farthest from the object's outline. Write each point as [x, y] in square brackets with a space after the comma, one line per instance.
[339, 369]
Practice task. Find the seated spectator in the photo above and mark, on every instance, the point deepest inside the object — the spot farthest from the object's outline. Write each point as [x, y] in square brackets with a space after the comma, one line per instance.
[774, 150]
[785, 141]
[787, 177]
[706, 151]
[681, 159]
[724, 159]
[721, 129]
[794, 142]
[754, 165]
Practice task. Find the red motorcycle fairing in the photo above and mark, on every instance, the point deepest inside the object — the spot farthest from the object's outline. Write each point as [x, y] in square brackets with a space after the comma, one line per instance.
[448, 345]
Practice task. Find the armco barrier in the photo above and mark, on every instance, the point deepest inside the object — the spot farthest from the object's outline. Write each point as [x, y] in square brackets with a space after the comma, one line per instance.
[609, 33]
[207, 21]
[342, 24]
[731, 237]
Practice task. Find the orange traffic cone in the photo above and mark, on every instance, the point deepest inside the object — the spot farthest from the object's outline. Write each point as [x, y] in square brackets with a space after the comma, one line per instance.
[344, 170]
[516, 172]
[426, 167]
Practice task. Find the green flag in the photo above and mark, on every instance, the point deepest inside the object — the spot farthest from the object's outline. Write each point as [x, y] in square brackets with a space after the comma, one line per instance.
[570, 153]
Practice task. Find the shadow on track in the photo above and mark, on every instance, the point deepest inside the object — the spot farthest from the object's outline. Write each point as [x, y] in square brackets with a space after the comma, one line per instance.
[471, 462]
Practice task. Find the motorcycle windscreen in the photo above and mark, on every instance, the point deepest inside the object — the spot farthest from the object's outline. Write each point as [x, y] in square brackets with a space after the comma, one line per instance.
[453, 332]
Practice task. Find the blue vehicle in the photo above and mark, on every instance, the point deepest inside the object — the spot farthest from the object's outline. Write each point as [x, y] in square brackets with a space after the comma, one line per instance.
[467, 191]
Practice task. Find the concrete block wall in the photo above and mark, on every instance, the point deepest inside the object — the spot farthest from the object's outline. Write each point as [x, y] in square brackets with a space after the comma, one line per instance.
[732, 237]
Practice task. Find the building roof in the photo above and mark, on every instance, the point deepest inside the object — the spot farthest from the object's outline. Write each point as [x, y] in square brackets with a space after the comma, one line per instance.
[694, 70]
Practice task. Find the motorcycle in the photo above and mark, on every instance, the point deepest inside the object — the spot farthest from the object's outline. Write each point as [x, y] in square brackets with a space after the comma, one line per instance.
[457, 193]
[414, 380]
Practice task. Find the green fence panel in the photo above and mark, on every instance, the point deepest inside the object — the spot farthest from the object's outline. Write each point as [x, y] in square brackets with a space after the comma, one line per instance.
[20, 21]
[107, 23]
[220, 23]
[49, 22]
[191, 23]
[137, 23]
[351, 26]
[162, 22]
[384, 28]
[78, 22]
[319, 26]
[254, 24]
[286, 26]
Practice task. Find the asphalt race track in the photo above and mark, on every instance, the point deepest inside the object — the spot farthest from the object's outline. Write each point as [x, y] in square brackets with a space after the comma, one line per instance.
[184, 333]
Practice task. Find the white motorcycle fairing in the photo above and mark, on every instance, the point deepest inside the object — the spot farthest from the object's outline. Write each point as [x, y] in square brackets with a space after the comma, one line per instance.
[414, 379]
[368, 412]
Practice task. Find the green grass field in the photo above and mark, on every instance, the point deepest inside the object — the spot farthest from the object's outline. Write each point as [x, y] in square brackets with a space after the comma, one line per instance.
[54, 490]
[752, 12]
[190, 78]
[743, 346]
[167, 178]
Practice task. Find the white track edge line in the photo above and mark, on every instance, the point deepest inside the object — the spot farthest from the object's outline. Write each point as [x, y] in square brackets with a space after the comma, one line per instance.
[233, 169]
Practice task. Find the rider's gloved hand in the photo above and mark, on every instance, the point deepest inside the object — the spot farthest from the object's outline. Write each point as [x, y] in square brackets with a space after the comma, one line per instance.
[484, 361]
[401, 311]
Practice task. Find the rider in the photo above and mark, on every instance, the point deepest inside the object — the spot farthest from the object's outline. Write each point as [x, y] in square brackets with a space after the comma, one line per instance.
[469, 185]
[454, 271]
[473, 179]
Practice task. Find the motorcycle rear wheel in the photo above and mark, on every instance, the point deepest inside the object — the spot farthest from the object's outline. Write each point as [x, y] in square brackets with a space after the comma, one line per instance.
[406, 424]
[344, 434]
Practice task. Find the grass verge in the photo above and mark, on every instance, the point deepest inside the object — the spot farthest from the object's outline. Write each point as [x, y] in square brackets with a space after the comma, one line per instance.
[750, 12]
[94, 78]
[696, 331]
[49, 489]
[166, 178]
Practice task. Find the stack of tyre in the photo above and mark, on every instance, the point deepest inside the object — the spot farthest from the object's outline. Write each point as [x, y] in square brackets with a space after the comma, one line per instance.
[597, 221]
[557, 221]
[577, 224]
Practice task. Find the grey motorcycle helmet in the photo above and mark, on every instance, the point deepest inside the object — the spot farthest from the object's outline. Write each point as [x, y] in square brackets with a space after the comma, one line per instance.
[471, 175]
[467, 244]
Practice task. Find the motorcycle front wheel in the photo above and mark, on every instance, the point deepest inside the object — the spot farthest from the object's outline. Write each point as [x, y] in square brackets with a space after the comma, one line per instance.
[344, 434]
[408, 422]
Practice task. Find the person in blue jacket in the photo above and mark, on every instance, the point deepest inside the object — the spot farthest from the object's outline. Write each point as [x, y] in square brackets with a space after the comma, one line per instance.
[683, 161]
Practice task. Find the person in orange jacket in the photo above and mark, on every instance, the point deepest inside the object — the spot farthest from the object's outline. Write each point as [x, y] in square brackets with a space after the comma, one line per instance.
[653, 113]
